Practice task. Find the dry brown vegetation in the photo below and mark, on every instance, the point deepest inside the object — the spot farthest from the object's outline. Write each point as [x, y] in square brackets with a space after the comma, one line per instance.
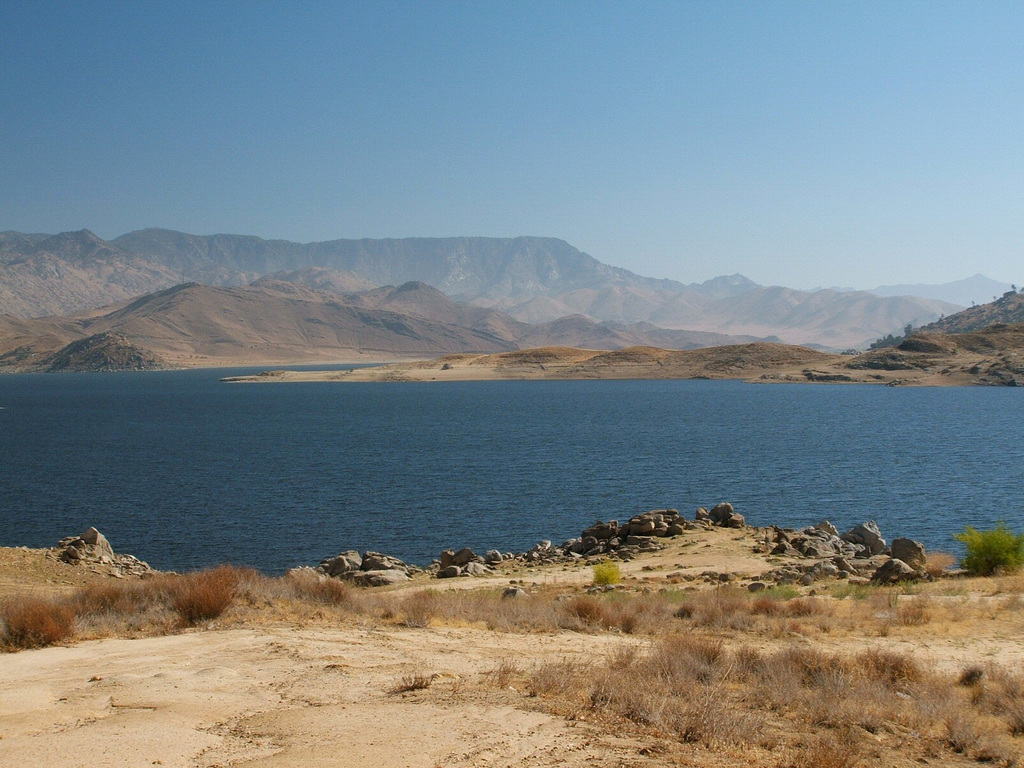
[781, 678]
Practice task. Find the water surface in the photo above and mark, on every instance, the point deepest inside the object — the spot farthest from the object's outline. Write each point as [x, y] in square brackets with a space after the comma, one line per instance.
[185, 471]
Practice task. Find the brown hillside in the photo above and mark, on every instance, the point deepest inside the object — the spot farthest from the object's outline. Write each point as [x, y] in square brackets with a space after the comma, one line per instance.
[1009, 309]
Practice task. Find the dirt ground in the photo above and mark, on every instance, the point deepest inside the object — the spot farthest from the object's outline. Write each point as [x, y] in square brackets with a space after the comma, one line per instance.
[295, 693]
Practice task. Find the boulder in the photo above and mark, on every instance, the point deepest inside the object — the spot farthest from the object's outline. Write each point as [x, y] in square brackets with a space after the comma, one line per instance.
[893, 571]
[90, 546]
[375, 561]
[493, 557]
[513, 593]
[867, 535]
[724, 515]
[475, 569]
[910, 552]
[827, 527]
[449, 572]
[675, 529]
[701, 514]
[601, 530]
[95, 539]
[463, 556]
[345, 562]
[378, 578]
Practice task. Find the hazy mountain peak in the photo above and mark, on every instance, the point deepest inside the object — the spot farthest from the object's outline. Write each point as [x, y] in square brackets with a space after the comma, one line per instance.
[977, 289]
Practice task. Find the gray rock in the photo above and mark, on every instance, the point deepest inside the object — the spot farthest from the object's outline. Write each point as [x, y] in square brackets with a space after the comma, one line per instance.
[377, 578]
[756, 586]
[94, 538]
[464, 555]
[910, 552]
[827, 527]
[342, 563]
[720, 512]
[842, 564]
[475, 569]
[602, 530]
[375, 561]
[675, 529]
[493, 556]
[894, 571]
[449, 572]
[513, 593]
[724, 515]
[867, 535]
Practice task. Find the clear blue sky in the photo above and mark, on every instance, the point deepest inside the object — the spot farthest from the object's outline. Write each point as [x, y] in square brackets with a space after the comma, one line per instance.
[801, 144]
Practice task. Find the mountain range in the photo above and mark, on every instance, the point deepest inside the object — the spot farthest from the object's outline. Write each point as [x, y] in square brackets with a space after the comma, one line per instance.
[274, 321]
[533, 280]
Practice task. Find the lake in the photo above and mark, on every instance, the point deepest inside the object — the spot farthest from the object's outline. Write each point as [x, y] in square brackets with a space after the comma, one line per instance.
[185, 471]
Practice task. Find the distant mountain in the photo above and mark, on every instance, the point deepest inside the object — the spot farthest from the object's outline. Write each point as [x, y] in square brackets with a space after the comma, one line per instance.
[534, 280]
[70, 272]
[277, 321]
[462, 267]
[826, 317]
[977, 289]
[321, 279]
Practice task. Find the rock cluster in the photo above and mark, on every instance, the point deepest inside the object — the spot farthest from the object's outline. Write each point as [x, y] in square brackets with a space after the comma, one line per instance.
[371, 569]
[92, 548]
[861, 552]
[722, 514]
[602, 539]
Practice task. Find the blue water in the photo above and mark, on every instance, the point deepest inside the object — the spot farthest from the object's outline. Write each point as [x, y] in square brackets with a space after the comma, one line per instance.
[185, 471]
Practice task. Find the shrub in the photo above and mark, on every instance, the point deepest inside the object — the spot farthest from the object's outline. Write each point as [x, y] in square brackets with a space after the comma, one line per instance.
[415, 682]
[584, 612]
[988, 551]
[420, 607]
[607, 573]
[203, 595]
[319, 589]
[120, 598]
[937, 563]
[34, 622]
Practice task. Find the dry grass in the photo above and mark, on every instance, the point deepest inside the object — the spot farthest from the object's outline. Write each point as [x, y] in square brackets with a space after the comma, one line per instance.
[34, 622]
[203, 595]
[716, 669]
[503, 675]
[414, 682]
[937, 563]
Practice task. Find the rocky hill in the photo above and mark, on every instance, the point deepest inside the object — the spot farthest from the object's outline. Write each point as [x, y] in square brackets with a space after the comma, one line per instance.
[1007, 310]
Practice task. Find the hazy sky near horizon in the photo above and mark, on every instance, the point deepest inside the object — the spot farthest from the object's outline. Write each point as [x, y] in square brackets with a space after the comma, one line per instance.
[798, 143]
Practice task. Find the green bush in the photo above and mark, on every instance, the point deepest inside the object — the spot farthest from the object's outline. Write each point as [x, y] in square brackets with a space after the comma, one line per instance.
[988, 551]
[607, 573]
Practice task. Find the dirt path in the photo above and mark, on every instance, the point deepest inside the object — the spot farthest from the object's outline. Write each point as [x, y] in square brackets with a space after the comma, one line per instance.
[287, 697]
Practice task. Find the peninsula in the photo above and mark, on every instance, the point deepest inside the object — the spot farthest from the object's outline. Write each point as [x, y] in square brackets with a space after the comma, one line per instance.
[993, 356]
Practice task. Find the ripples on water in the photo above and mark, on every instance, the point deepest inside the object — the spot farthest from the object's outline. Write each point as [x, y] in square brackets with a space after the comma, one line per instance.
[185, 471]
